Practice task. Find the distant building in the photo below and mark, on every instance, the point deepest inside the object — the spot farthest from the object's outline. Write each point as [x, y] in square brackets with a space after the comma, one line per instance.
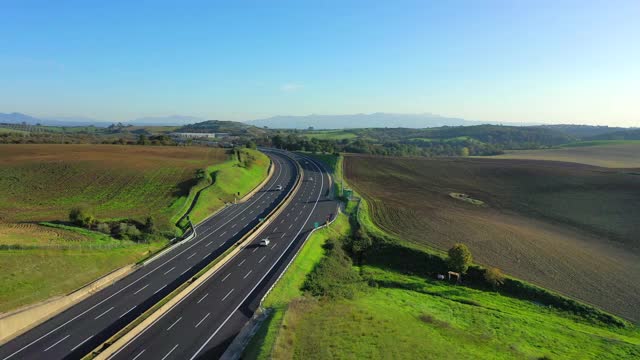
[187, 135]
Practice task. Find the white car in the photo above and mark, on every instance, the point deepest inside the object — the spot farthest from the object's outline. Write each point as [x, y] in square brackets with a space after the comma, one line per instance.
[264, 242]
[279, 188]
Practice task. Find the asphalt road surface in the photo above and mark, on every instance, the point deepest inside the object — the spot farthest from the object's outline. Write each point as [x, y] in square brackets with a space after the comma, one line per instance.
[78, 330]
[203, 324]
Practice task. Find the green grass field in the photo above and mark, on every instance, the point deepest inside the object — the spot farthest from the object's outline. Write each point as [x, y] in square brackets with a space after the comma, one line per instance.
[438, 321]
[330, 134]
[35, 274]
[42, 182]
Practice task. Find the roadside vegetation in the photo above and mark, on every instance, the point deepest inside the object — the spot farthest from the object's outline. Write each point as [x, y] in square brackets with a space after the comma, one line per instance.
[72, 213]
[368, 294]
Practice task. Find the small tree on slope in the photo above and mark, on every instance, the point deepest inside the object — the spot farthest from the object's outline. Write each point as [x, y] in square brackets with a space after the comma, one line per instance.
[459, 258]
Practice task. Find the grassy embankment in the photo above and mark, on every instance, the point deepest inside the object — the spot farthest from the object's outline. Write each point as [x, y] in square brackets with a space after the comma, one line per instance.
[241, 174]
[42, 182]
[398, 311]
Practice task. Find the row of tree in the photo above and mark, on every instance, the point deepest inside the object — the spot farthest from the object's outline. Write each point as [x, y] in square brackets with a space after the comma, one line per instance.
[118, 230]
[414, 147]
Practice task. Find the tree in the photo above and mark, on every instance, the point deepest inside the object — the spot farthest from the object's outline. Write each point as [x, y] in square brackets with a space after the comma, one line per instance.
[142, 139]
[464, 151]
[251, 145]
[459, 258]
[77, 216]
[149, 225]
[494, 277]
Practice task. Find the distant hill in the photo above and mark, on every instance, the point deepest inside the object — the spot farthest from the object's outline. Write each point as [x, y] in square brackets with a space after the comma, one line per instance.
[166, 120]
[626, 134]
[583, 131]
[376, 120]
[214, 126]
[17, 118]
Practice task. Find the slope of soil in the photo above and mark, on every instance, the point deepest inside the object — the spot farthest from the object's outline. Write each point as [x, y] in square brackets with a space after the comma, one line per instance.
[569, 227]
[613, 154]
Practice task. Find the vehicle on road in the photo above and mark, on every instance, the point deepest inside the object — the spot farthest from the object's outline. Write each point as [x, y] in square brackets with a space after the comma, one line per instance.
[279, 188]
[264, 242]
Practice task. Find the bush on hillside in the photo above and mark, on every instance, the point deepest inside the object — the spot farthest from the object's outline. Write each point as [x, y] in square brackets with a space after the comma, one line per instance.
[103, 228]
[494, 277]
[126, 231]
[459, 258]
[77, 216]
[149, 225]
[334, 276]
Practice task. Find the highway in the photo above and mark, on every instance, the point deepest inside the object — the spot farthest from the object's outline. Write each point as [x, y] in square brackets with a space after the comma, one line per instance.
[204, 323]
[78, 330]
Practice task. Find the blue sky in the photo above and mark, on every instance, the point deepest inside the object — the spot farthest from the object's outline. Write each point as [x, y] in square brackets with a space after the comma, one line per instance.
[533, 61]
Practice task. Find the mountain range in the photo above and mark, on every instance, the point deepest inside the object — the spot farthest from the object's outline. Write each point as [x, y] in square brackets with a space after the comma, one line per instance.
[375, 120]
[18, 118]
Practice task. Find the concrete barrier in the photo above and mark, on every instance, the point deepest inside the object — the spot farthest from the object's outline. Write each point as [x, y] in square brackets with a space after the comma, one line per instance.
[105, 353]
[24, 319]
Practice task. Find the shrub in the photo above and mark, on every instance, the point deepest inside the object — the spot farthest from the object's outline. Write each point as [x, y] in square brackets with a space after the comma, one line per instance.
[77, 216]
[149, 225]
[459, 258]
[103, 228]
[494, 277]
[334, 276]
[89, 221]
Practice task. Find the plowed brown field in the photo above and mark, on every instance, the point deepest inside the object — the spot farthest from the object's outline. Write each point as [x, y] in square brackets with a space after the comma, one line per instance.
[569, 227]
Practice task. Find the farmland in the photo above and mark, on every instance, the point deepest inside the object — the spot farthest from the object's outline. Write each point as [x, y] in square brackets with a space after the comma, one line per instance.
[614, 154]
[40, 183]
[569, 227]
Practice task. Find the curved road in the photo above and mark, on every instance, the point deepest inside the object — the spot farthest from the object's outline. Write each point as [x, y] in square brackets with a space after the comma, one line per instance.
[78, 330]
[204, 323]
